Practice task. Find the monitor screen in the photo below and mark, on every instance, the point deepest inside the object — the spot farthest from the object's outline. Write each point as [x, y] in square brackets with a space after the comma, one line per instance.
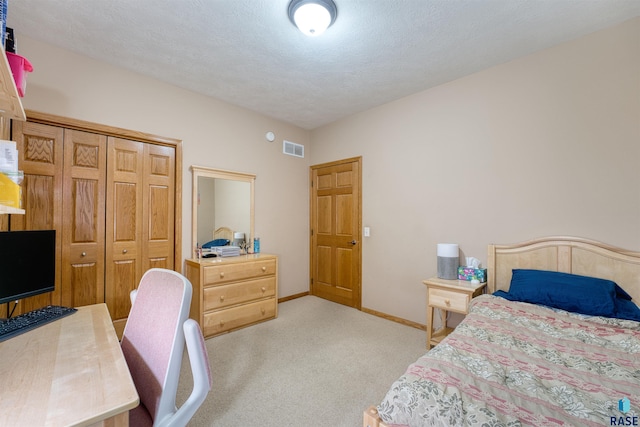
[27, 263]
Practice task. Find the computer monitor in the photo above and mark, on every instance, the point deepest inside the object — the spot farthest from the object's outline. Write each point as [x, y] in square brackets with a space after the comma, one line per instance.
[27, 263]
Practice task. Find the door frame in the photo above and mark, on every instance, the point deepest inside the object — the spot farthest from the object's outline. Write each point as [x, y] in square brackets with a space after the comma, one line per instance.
[357, 290]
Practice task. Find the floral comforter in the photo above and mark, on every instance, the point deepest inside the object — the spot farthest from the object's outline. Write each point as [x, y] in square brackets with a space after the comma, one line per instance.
[515, 364]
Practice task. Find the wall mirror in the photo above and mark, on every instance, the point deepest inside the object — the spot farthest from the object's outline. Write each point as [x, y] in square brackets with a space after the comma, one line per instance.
[221, 200]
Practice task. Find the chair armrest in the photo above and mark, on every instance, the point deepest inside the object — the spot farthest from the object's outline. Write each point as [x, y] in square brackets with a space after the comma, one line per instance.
[132, 296]
[202, 381]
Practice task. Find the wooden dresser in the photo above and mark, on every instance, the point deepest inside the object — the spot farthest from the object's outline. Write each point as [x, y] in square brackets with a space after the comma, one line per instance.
[233, 292]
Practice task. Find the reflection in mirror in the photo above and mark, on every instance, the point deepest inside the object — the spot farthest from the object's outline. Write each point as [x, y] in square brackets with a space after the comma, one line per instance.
[222, 203]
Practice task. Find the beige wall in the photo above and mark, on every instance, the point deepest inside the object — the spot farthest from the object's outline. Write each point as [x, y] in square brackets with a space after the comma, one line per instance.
[214, 134]
[545, 145]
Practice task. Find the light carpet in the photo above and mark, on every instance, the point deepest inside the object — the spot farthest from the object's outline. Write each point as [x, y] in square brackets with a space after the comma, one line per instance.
[317, 364]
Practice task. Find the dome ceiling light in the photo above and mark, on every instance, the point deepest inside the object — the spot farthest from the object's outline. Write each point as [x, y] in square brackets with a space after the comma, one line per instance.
[312, 17]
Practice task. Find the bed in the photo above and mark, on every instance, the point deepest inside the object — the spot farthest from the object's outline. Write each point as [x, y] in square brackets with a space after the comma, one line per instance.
[513, 363]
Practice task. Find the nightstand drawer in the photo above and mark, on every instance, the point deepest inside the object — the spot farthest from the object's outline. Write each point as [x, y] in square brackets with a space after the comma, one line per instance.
[448, 300]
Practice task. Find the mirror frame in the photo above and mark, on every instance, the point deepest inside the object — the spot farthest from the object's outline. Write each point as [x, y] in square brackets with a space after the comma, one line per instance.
[203, 171]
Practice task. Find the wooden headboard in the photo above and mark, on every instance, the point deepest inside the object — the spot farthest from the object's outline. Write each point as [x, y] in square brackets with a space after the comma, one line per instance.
[566, 254]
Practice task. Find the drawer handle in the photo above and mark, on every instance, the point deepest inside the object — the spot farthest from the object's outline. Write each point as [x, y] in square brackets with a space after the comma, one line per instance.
[221, 323]
[222, 274]
[263, 289]
[264, 269]
[447, 301]
[221, 298]
[124, 251]
[84, 254]
[262, 310]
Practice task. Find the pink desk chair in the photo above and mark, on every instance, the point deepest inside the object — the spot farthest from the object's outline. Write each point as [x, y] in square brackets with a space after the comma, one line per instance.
[153, 344]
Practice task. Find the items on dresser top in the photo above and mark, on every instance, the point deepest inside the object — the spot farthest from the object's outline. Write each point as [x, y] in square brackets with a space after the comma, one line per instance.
[226, 250]
[233, 292]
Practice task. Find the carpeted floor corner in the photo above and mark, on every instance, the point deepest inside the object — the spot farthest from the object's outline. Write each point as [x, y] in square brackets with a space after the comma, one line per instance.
[317, 364]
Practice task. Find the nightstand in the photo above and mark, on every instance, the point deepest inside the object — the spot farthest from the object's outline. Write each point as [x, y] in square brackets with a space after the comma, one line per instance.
[448, 296]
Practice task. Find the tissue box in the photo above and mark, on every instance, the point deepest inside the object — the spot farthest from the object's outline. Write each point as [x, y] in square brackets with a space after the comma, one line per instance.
[470, 273]
[9, 192]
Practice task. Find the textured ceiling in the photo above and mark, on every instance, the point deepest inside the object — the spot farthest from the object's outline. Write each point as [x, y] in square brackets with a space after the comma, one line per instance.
[247, 52]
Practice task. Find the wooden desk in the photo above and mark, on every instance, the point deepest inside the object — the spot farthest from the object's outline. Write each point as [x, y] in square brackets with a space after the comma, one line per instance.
[70, 372]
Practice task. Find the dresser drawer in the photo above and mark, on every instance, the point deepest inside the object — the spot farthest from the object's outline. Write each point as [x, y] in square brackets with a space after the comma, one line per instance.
[235, 317]
[215, 274]
[448, 300]
[216, 297]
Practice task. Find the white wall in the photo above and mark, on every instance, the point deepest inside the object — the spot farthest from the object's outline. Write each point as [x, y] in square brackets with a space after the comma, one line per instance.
[545, 145]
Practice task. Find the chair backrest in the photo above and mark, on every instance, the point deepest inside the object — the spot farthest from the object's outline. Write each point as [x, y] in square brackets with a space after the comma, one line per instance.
[153, 338]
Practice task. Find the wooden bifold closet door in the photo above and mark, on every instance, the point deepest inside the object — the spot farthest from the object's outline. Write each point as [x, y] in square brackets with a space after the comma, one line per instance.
[140, 220]
[63, 189]
[112, 200]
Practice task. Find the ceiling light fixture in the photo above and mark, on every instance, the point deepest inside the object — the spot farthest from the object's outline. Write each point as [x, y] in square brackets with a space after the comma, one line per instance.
[312, 17]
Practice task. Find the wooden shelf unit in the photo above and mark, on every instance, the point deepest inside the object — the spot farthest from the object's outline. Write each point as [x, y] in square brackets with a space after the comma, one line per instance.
[9, 210]
[10, 104]
[10, 108]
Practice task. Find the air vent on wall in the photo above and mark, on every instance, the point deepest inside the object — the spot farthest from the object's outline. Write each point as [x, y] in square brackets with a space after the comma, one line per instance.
[292, 149]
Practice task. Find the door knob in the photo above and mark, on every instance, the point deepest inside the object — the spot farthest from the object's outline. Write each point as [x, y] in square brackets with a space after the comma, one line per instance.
[353, 242]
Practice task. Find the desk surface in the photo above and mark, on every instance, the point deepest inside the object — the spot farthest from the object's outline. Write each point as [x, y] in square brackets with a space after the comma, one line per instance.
[68, 372]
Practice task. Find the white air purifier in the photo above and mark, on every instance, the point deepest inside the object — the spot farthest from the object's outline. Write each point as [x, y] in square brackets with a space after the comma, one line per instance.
[448, 261]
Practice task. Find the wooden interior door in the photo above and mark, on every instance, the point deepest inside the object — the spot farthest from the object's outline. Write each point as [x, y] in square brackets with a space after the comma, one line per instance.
[336, 218]
[85, 161]
[124, 226]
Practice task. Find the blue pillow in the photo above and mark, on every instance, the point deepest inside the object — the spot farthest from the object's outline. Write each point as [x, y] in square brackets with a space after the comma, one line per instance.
[216, 242]
[570, 292]
[626, 309]
[621, 293]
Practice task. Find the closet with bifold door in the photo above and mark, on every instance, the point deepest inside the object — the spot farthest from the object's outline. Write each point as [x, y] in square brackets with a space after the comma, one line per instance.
[113, 197]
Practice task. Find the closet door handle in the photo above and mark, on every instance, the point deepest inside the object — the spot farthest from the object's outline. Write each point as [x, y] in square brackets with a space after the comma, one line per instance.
[353, 242]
